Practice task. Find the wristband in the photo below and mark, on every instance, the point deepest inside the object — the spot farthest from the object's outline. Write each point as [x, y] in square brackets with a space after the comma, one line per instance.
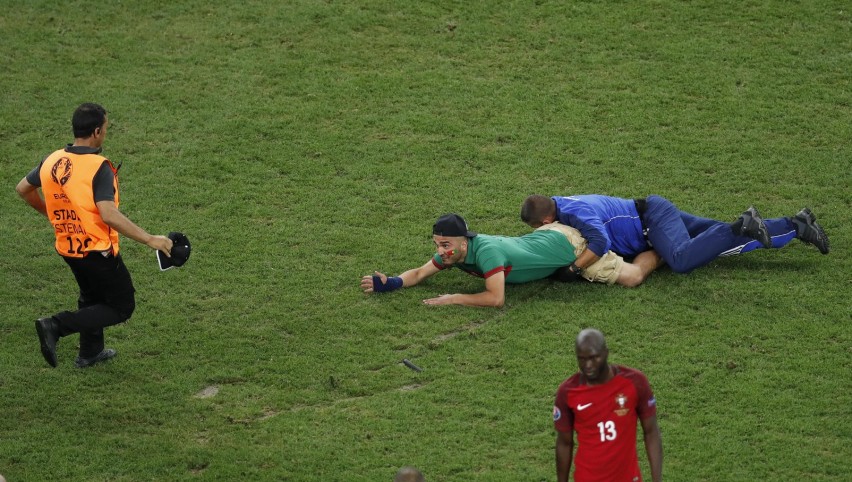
[393, 283]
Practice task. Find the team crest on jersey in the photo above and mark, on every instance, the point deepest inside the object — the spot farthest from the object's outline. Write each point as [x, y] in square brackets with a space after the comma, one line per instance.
[61, 171]
[557, 414]
[621, 401]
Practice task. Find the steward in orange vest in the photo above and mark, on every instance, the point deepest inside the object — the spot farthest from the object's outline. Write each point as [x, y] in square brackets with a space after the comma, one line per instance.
[80, 189]
[67, 179]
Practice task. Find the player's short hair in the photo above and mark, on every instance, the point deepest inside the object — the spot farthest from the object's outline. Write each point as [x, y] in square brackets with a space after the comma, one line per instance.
[591, 336]
[535, 208]
[86, 119]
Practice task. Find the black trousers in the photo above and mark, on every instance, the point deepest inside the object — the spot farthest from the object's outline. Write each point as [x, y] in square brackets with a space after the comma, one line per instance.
[106, 299]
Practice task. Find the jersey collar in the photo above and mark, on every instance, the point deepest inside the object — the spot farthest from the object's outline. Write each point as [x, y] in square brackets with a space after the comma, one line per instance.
[82, 149]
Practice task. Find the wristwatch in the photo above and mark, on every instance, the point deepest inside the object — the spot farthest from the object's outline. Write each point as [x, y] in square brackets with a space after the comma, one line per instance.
[575, 269]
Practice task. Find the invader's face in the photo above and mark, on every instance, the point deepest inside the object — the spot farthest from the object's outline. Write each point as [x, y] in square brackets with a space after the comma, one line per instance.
[451, 249]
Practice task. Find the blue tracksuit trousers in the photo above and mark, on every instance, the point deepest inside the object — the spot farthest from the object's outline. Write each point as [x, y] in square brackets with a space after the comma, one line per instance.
[687, 242]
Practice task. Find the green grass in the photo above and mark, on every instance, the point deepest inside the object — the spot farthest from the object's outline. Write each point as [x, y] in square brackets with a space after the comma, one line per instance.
[303, 144]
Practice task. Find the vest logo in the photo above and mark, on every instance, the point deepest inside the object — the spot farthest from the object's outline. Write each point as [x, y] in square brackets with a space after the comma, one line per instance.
[61, 171]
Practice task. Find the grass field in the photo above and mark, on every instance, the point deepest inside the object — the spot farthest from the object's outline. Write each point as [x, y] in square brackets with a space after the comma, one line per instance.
[303, 144]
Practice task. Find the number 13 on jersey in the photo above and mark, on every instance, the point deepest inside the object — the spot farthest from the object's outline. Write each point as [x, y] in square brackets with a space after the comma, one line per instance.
[607, 430]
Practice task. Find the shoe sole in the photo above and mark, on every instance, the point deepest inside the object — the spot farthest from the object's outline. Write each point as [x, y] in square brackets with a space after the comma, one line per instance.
[48, 354]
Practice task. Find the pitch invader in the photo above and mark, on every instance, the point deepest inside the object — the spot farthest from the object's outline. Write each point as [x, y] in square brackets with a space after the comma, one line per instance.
[603, 403]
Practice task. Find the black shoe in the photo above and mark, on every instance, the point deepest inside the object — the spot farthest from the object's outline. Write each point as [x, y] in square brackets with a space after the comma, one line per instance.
[751, 224]
[48, 334]
[809, 231]
[105, 354]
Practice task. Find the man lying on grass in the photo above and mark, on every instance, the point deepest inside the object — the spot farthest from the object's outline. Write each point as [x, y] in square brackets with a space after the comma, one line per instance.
[546, 252]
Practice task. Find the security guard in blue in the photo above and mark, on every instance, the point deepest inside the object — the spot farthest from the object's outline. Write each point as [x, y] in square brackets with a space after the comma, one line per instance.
[684, 241]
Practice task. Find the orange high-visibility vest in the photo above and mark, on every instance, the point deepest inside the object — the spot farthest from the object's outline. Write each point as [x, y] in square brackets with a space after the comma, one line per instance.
[66, 181]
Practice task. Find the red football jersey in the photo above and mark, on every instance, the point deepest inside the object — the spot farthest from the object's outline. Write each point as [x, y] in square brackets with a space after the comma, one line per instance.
[604, 417]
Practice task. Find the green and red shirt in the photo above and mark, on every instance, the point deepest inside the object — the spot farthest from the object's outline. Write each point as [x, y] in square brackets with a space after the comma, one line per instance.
[530, 257]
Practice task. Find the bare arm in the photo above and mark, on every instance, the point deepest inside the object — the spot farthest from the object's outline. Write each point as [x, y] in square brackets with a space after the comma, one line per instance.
[564, 453]
[415, 276]
[29, 193]
[654, 447]
[586, 259]
[114, 219]
[493, 296]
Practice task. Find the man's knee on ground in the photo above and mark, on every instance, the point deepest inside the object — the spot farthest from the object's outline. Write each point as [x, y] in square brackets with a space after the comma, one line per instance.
[630, 276]
[631, 281]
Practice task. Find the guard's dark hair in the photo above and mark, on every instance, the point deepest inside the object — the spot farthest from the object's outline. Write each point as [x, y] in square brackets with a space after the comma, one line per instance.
[86, 119]
[535, 208]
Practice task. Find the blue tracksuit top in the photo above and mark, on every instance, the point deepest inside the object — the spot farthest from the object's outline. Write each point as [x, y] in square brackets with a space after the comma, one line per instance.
[607, 223]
